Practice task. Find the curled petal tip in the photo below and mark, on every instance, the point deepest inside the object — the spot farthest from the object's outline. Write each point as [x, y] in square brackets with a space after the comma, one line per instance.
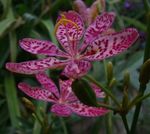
[21, 84]
[8, 66]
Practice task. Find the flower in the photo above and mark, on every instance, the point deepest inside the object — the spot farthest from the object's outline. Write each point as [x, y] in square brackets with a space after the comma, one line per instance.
[64, 101]
[79, 47]
[90, 13]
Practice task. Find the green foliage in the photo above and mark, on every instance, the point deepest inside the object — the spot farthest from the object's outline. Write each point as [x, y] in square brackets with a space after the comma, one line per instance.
[84, 92]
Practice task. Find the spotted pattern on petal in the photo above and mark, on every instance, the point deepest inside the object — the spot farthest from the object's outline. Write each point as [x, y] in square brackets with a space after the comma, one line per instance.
[35, 66]
[74, 17]
[101, 24]
[66, 92]
[47, 83]
[40, 47]
[88, 111]
[112, 44]
[37, 93]
[61, 110]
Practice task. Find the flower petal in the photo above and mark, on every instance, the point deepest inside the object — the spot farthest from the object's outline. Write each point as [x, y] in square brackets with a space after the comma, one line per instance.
[66, 92]
[100, 25]
[40, 47]
[77, 69]
[61, 110]
[112, 44]
[88, 111]
[81, 8]
[35, 66]
[99, 93]
[69, 29]
[47, 83]
[37, 93]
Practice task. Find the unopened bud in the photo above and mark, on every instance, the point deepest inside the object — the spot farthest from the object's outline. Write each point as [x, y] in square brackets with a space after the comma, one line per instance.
[109, 71]
[112, 82]
[28, 104]
[145, 72]
[101, 5]
[126, 79]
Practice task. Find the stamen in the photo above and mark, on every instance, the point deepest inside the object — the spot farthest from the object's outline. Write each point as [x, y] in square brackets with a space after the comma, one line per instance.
[64, 21]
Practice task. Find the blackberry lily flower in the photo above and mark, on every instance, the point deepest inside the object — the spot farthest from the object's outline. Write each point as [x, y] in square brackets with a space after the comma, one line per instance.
[89, 14]
[78, 52]
[64, 102]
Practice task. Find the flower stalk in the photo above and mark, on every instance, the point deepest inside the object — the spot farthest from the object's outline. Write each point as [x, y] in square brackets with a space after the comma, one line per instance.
[106, 90]
[146, 57]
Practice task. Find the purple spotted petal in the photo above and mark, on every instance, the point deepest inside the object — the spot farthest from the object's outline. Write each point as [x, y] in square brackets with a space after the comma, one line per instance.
[37, 93]
[66, 92]
[41, 47]
[47, 83]
[112, 44]
[81, 8]
[61, 110]
[99, 93]
[35, 66]
[69, 29]
[77, 69]
[100, 25]
[88, 111]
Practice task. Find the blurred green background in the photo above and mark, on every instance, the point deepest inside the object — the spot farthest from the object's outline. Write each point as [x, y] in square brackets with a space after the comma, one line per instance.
[36, 19]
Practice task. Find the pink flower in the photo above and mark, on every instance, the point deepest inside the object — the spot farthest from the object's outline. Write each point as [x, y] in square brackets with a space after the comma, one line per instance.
[79, 46]
[89, 14]
[64, 101]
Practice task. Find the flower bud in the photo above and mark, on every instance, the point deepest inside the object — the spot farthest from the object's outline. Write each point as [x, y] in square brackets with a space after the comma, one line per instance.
[126, 79]
[28, 104]
[112, 82]
[145, 72]
[109, 71]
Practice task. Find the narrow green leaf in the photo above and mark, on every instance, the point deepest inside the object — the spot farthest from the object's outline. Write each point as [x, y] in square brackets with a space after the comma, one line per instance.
[13, 45]
[12, 100]
[9, 20]
[135, 22]
[50, 27]
[6, 7]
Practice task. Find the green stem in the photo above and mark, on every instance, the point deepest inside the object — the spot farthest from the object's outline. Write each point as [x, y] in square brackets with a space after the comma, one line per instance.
[109, 123]
[142, 87]
[137, 110]
[138, 99]
[106, 106]
[106, 90]
[108, 74]
[147, 47]
[125, 123]
[109, 119]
